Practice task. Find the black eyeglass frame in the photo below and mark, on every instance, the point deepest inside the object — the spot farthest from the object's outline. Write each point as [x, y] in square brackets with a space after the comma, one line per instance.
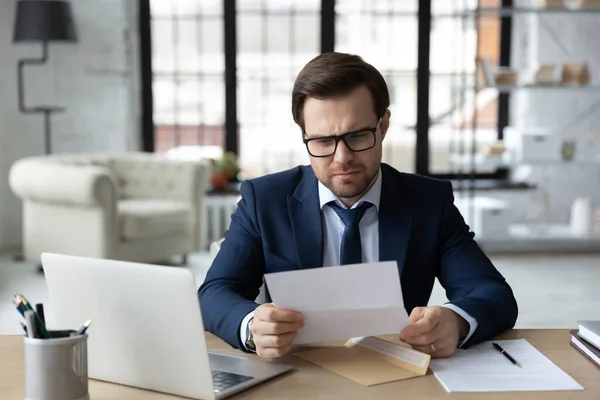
[342, 137]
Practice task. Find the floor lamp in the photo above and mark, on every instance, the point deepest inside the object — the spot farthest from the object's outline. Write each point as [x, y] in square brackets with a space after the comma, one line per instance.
[42, 22]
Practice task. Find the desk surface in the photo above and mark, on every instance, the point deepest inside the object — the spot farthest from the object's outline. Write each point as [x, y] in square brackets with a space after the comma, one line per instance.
[308, 381]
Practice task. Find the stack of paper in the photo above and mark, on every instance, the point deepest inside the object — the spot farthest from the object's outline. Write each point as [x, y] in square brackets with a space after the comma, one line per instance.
[585, 347]
[590, 331]
[484, 369]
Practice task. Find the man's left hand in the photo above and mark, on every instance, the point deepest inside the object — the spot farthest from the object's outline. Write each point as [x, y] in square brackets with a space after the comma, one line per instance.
[435, 330]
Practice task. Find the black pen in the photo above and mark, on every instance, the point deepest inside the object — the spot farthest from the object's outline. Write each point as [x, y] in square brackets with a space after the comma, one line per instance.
[501, 350]
[39, 309]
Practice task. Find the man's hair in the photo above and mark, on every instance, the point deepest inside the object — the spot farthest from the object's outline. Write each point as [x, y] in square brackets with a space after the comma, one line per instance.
[332, 75]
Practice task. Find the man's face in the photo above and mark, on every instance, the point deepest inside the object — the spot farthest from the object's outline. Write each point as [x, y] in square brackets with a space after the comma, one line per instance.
[346, 173]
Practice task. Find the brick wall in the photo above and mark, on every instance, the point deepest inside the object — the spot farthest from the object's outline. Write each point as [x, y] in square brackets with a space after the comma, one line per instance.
[96, 80]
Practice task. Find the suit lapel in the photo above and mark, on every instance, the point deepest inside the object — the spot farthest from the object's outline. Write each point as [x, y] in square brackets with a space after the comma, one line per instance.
[395, 219]
[307, 226]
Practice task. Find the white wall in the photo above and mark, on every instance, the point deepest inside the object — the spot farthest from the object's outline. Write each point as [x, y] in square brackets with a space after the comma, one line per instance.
[571, 114]
[96, 80]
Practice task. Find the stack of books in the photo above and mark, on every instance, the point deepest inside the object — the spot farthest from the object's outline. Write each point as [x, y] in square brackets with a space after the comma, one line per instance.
[587, 339]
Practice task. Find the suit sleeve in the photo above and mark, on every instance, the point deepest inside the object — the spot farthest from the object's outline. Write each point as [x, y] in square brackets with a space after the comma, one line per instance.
[471, 281]
[235, 276]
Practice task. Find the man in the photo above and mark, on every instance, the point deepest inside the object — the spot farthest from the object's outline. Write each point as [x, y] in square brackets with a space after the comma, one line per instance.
[346, 208]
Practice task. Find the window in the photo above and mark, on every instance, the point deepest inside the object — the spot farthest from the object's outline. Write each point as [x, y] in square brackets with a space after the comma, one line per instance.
[276, 38]
[463, 121]
[192, 81]
[188, 74]
[384, 33]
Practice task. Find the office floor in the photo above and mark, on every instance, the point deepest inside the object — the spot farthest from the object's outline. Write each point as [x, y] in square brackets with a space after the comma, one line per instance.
[552, 291]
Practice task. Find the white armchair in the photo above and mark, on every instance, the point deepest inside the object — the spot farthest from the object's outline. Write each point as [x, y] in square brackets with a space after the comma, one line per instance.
[134, 207]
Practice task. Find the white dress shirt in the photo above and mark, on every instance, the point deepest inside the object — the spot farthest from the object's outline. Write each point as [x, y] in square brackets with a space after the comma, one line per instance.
[333, 230]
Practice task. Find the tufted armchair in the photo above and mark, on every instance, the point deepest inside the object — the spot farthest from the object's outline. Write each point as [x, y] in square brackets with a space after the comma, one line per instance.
[134, 207]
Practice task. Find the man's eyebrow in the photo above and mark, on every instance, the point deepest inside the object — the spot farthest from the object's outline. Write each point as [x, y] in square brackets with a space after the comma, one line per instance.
[324, 135]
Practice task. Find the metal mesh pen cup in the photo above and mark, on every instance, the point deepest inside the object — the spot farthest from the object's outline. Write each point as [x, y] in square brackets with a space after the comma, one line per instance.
[56, 368]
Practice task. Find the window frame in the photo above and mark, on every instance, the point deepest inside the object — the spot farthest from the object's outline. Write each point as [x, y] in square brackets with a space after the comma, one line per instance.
[327, 44]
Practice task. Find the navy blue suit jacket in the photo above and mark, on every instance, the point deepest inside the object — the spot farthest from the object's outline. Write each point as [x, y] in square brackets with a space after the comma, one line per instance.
[278, 227]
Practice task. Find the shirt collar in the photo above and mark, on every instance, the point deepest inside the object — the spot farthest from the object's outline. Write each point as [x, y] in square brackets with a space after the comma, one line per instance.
[373, 196]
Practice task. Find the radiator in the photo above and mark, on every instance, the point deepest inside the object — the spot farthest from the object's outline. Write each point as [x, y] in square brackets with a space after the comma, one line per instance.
[218, 211]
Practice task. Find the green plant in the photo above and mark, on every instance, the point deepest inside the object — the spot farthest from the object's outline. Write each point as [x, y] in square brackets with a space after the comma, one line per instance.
[226, 165]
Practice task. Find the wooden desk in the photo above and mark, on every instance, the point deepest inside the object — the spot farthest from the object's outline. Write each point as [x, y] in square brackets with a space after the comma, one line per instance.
[308, 381]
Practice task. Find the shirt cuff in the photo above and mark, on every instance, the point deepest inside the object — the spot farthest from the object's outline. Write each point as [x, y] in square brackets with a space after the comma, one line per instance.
[472, 321]
[244, 329]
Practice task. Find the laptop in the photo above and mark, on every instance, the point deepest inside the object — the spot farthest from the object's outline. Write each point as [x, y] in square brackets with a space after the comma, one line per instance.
[146, 329]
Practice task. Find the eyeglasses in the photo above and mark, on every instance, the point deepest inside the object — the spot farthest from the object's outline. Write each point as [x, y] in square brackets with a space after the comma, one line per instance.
[326, 146]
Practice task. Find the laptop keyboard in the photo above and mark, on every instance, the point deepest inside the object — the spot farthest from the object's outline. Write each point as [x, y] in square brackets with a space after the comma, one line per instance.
[224, 380]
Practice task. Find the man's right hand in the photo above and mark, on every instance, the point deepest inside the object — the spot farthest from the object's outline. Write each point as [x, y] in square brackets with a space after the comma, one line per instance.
[274, 330]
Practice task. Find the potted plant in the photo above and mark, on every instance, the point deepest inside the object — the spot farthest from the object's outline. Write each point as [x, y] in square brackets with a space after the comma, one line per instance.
[224, 170]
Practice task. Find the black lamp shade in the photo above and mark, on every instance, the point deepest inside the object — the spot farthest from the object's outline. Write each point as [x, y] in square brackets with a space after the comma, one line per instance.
[45, 20]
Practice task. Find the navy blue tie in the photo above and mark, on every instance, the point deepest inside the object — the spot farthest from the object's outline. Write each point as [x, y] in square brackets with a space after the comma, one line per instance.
[351, 250]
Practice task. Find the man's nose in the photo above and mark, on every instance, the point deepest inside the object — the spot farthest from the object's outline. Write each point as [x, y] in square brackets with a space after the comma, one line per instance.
[342, 153]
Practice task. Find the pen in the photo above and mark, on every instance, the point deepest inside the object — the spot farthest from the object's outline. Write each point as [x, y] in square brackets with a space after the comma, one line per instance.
[84, 327]
[19, 307]
[353, 341]
[39, 309]
[38, 322]
[30, 322]
[501, 350]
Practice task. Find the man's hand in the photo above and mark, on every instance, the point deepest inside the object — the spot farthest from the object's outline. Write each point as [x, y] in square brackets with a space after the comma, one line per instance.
[435, 330]
[274, 329]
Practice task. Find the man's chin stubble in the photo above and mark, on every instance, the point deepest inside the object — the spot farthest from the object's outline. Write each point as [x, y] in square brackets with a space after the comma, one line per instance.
[346, 194]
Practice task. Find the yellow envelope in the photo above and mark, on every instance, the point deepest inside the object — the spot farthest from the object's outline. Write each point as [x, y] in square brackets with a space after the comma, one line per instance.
[372, 361]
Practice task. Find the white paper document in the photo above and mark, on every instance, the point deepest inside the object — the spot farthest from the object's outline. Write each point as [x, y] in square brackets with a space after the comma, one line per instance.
[482, 368]
[342, 302]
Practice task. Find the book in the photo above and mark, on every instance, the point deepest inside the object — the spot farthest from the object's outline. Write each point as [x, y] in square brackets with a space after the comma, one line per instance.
[590, 331]
[485, 73]
[586, 348]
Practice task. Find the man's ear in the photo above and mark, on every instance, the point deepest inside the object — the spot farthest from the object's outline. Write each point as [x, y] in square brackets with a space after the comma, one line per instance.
[385, 123]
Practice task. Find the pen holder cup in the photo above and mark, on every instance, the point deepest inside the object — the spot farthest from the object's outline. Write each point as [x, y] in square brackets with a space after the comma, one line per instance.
[56, 368]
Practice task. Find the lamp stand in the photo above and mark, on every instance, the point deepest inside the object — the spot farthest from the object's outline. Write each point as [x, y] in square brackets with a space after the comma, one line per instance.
[47, 111]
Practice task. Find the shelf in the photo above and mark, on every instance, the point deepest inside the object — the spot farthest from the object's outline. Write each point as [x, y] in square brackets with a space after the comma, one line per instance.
[487, 185]
[560, 163]
[481, 162]
[508, 89]
[506, 12]
[550, 231]
[541, 238]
